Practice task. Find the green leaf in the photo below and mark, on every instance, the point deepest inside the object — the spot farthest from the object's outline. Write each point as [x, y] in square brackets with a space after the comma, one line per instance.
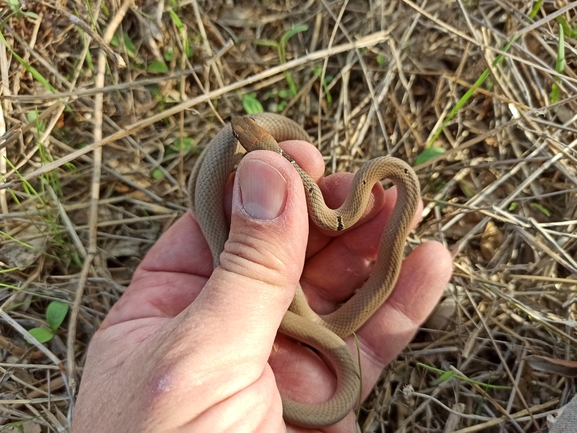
[443, 378]
[188, 51]
[71, 167]
[55, 314]
[37, 75]
[318, 72]
[285, 94]
[380, 60]
[14, 5]
[565, 25]
[541, 208]
[429, 153]
[470, 92]
[555, 91]
[32, 116]
[296, 29]
[251, 104]
[169, 54]
[115, 41]
[14, 425]
[157, 67]
[41, 334]
[328, 78]
[559, 64]
[292, 86]
[514, 205]
[535, 9]
[89, 62]
[176, 20]
[31, 15]
[129, 45]
[104, 9]
[560, 61]
[154, 91]
[157, 174]
[187, 143]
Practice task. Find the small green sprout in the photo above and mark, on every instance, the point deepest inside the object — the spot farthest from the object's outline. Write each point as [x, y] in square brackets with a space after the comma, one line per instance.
[55, 314]
[251, 104]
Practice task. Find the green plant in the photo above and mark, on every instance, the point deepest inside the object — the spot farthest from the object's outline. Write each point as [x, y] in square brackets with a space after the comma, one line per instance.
[535, 9]
[560, 61]
[470, 92]
[326, 81]
[285, 95]
[446, 375]
[18, 12]
[250, 104]
[32, 116]
[540, 208]
[183, 144]
[179, 145]
[55, 314]
[281, 48]
[157, 67]
[430, 151]
[572, 33]
[37, 75]
[188, 51]
[20, 426]
[122, 40]
[45, 213]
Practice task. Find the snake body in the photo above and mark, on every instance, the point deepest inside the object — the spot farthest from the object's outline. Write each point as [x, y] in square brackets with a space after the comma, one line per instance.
[323, 332]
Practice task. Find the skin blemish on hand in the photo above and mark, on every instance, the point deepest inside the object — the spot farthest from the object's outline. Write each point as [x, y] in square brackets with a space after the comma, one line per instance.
[160, 384]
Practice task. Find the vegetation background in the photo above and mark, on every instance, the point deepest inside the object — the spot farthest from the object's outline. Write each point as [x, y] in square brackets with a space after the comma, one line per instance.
[105, 106]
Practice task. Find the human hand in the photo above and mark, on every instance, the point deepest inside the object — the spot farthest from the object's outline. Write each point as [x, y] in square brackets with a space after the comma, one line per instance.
[189, 349]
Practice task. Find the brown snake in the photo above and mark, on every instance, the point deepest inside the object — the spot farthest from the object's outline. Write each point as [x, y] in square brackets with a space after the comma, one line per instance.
[323, 332]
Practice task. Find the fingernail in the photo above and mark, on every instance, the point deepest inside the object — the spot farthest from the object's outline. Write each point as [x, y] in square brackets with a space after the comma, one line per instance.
[263, 190]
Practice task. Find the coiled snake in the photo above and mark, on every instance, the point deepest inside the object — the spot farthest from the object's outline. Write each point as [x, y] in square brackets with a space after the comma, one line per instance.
[322, 332]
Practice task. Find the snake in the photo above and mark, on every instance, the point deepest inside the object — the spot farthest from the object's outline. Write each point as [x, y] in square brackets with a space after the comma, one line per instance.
[324, 333]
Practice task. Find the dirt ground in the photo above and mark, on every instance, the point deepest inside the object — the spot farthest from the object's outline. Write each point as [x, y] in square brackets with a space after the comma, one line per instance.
[105, 107]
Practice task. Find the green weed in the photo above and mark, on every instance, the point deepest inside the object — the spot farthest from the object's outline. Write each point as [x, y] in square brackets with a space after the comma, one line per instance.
[20, 426]
[14, 5]
[55, 314]
[37, 75]
[535, 9]
[446, 375]
[251, 104]
[280, 46]
[541, 209]
[560, 61]
[327, 80]
[45, 212]
[462, 101]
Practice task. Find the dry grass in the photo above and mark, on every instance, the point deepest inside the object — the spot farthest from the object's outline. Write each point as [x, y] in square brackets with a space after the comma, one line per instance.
[96, 180]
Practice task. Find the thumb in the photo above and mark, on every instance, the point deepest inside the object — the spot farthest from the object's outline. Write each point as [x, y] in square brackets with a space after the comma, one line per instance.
[248, 294]
[219, 346]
